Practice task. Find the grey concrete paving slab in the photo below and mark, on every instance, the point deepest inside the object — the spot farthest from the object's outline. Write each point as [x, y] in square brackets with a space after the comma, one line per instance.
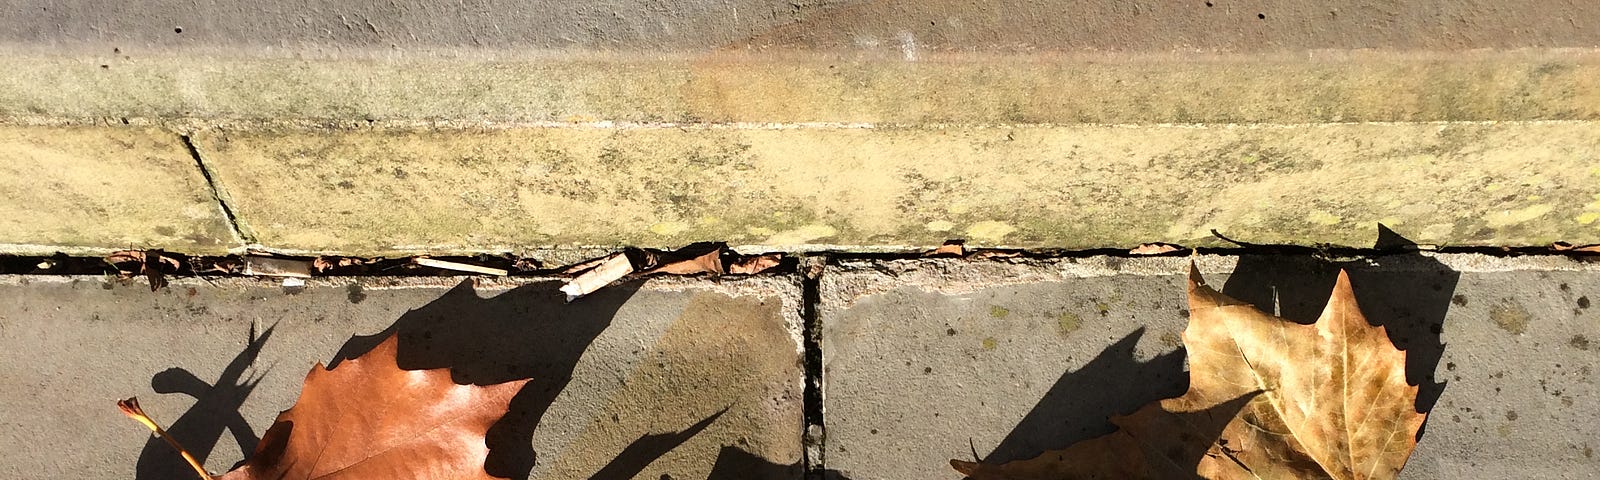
[1017, 357]
[661, 379]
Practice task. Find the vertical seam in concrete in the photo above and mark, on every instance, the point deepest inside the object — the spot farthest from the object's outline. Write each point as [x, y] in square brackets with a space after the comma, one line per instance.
[815, 433]
[241, 233]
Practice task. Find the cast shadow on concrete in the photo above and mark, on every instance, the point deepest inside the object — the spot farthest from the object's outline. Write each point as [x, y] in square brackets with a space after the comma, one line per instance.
[648, 448]
[733, 463]
[216, 408]
[1078, 407]
[1406, 292]
[528, 332]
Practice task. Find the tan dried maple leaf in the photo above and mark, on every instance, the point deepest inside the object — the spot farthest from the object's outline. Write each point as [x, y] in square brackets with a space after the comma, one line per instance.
[369, 419]
[1268, 399]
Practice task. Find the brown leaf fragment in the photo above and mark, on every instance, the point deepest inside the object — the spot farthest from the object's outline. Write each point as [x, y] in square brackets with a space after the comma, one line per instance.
[120, 257]
[152, 269]
[369, 419]
[702, 257]
[755, 264]
[1326, 400]
[328, 264]
[951, 248]
[613, 268]
[1154, 249]
[150, 263]
[708, 262]
[1567, 247]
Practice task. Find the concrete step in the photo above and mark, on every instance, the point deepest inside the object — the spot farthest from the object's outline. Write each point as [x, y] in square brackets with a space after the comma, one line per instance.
[784, 86]
[411, 127]
[443, 190]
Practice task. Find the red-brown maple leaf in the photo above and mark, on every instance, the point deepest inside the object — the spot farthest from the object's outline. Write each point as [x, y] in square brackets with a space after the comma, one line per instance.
[369, 419]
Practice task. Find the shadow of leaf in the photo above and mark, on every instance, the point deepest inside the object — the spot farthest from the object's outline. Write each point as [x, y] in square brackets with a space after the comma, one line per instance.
[1080, 404]
[648, 448]
[216, 408]
[526, 332]
[734, 463]
[529, 332]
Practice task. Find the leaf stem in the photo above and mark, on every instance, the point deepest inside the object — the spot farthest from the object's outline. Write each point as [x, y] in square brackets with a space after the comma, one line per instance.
[130, 407]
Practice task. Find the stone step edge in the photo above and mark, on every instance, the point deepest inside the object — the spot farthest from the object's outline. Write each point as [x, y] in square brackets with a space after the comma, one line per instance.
[808, 86]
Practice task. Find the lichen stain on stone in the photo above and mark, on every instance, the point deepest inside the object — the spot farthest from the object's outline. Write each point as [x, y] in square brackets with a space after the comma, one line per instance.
[1506, 218]
[989, 231]
[1321, 217]
[997, 311]
[1509, 316]
[989, 343]
[1591, 212]
[667, 229]
[1068, 322]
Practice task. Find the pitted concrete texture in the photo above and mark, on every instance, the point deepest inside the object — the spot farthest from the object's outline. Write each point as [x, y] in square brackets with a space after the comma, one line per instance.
[667, 378]
[923, 357]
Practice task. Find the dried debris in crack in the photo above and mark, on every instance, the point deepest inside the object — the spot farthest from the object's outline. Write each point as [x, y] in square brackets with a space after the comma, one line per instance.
[714, 259]
[710, 258]
[697, 259]
[152, 264]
